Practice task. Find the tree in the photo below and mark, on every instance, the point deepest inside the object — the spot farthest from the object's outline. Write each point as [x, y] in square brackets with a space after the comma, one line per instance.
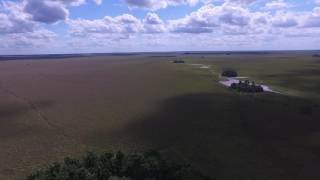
[148, 165]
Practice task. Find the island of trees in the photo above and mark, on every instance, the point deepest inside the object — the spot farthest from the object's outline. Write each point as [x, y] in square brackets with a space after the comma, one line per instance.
[247, 86]
[145, 166]
[178, 61]
[229, 73]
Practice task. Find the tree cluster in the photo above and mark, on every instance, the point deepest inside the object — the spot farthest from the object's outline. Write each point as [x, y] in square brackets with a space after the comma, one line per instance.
[229, 73]
[178, 61]
[246, 86]
[145, 166]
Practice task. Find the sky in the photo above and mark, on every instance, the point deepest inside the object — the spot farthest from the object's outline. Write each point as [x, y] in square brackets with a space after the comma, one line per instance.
[102, 26]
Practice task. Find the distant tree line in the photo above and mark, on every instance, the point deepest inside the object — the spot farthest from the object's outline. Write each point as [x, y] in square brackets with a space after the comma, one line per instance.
[145, 166]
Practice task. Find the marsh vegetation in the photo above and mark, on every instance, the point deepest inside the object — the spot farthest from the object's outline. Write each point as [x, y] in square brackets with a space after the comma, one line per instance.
[50, 110]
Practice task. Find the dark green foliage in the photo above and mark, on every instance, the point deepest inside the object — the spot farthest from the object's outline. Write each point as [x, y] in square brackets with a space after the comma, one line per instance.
[149, 165]
[229, 73]
[247, 87]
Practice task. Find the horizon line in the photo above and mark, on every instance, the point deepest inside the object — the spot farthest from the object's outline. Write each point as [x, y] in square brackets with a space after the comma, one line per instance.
[153, 52]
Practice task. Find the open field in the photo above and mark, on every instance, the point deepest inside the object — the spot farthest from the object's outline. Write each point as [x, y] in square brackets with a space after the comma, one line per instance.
[53, 108]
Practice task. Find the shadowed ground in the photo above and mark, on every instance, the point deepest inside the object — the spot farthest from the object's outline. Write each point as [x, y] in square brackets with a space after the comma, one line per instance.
[235, 137]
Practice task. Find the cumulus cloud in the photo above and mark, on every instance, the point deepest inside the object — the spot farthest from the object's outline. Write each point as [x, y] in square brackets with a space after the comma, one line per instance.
[76, 2]
[212, 18]
[14, 20]
[152, 23]
[224, 19]
[70, 2]
[108, 25]
[46, 11]
[38, 41]
[99, 2]
[11, 24]
[158, 4]
[201, 21]
[51, 11]
[18, 29]
[313, 19]
[235, 16]
[274, 5]
[125, 24]
[284, 20]
[241, 1]
[153, 18]
[225, 22]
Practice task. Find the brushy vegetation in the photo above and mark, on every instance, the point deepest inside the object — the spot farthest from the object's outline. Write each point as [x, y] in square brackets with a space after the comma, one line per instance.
[92, 166]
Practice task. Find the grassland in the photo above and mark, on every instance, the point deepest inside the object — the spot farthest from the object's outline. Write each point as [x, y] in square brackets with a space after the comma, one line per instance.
[53, 108]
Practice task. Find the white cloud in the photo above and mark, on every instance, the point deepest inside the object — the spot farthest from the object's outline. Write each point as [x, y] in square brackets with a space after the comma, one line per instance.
[51, 11]
[278, 4]
[76, 2]
[284, 20]
[203, 20]
[123, 24]
[40, 41]
[12, 24]
[69, 2]
[225, 19]
[14, 20]
[312, 19]
[153, 24]
[222, 19]
[19, 29]
[241, 1]
[223, 24]
[46, 11]
[98, 2]
[159, 4]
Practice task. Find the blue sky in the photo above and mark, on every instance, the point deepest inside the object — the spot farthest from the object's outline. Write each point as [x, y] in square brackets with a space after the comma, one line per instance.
[81, 26]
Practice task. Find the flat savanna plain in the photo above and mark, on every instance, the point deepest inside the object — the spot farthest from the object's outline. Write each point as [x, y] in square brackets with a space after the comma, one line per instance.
[50, 109]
